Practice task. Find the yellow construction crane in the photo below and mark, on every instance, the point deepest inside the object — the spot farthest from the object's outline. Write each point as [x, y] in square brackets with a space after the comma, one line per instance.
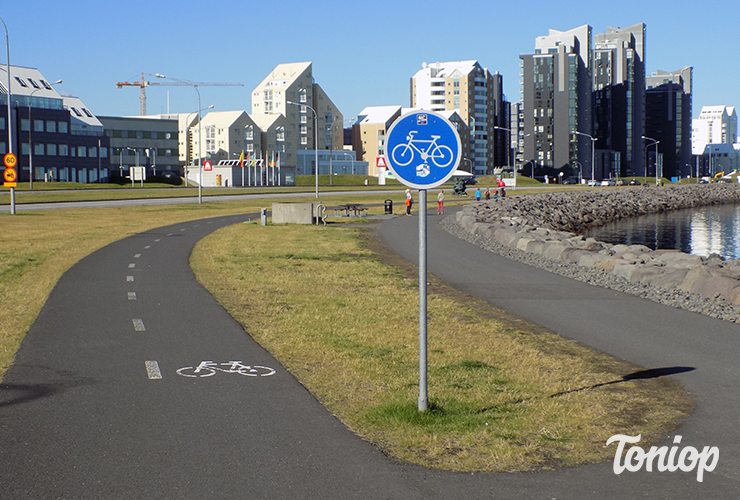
[144, 83]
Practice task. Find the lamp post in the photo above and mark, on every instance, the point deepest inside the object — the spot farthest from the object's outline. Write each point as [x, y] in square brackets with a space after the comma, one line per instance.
[351, 158]
[593, 152]
[656, 156]
[186, 136]
[514, 159]
[580, 171]
[316, 140]
[200, 163]
[30, 144]
[9, 126]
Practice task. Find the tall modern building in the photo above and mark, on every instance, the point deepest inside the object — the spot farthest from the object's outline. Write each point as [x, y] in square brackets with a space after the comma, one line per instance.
[668, 102]
[618, 72]
[556, 103]
[477, 96]
[715, 125]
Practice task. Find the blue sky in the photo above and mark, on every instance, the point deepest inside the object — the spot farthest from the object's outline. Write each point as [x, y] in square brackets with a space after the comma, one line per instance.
[363, 53]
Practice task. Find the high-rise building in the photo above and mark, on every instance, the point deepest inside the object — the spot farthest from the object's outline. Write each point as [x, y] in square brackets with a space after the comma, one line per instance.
[477, 96]
[556, 103]
[618, 72]
[715, 125]
[668, 101]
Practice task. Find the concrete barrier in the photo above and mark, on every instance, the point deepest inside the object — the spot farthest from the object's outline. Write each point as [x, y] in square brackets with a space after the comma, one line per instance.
[292, 213]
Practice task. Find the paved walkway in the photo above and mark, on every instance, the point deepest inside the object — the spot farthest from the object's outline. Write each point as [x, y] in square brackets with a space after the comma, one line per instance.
[94, 406]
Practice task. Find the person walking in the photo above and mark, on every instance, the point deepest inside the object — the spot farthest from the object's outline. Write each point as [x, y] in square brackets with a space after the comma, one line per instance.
[488, 194]
[441, 202]
[502, 187]
[477, 194]
[409, 201]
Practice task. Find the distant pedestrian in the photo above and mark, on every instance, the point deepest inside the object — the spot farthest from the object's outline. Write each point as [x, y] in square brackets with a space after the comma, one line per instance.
[495, 195]
[502, 187]
[477, 194]
[441, 202]
[409, 201]
[488, 194]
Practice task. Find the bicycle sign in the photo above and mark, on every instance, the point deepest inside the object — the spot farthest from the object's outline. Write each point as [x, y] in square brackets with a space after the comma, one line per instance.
[424, 149]
[209, 368]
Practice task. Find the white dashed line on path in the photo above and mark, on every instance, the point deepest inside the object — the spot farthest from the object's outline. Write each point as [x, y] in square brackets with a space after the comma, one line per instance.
[129, 278]
[137, 256]
[152, 370]
[138, 325]
[147, 247]
[131, 266]
[157, 240]
[131, 295]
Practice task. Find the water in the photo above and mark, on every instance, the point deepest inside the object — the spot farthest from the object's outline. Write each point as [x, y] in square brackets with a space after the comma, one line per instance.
[698, 231]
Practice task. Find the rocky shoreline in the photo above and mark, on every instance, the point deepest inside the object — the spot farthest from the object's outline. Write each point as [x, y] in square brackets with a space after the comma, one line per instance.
[542, 230]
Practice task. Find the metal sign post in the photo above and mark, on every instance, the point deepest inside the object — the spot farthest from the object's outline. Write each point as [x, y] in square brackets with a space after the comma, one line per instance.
[424, 152]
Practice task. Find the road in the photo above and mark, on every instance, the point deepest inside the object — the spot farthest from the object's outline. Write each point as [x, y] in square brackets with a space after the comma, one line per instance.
[83, 414]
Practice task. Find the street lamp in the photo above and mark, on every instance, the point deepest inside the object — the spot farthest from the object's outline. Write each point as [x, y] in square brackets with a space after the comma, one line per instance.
[316, 140]
[30, 144]
[352, 159]
[187, 117]
[656, 156]
[593, 152]
[200, 163]
[517, 144]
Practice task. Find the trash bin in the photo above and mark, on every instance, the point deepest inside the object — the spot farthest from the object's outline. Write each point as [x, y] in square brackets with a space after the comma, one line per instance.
[388, 207]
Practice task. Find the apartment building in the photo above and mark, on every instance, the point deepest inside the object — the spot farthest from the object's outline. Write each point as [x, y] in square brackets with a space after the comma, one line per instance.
[618, 73]
[477, 96]
[369, 132]
[290, 90]
[715, 125]
[668, 110]
[557, 103]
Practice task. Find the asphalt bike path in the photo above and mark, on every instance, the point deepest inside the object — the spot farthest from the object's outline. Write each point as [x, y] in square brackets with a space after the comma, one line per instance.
[84, 414]
[702, 352]
[97, 404]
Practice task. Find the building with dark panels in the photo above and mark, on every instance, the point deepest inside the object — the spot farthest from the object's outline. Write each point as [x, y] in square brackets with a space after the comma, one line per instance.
[668, 103]
[152, 141]
[54, 137]
[556, 103]
[618, 72]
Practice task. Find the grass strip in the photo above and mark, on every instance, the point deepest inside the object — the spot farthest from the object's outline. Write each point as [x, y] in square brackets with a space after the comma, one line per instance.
[505, 395]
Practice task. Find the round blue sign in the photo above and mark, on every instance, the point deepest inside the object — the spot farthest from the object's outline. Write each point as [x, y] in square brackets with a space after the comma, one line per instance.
[423, 149]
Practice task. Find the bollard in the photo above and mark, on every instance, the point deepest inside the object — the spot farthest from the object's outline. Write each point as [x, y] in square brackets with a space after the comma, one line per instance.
[263, 216]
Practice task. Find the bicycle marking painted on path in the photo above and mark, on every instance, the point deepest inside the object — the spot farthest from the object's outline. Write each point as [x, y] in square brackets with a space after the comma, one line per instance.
[209, 368]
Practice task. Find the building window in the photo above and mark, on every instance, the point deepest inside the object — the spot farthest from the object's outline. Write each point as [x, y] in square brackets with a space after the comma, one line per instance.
[81, 151]
[51, 149]
[63, 150]
[38, 149]
[51, 126]
[38, 125]
[104, 152]
[304, 141]
[25, 125]
[2, 123]
[63, 128]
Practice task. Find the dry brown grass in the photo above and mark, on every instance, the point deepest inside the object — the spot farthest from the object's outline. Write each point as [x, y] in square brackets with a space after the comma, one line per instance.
[504, 395]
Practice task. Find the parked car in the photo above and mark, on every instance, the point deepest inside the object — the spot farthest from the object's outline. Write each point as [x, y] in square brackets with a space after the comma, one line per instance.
[570, 180]
[593, 182]
[470, 181]
[703, 181]
[635, 182]
[608, 182]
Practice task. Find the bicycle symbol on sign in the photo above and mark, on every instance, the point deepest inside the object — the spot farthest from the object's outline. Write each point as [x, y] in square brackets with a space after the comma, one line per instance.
[403, 154]
[209, 368]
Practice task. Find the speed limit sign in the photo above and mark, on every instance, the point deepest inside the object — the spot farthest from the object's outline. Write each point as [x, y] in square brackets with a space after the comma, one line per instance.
[10, 160]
